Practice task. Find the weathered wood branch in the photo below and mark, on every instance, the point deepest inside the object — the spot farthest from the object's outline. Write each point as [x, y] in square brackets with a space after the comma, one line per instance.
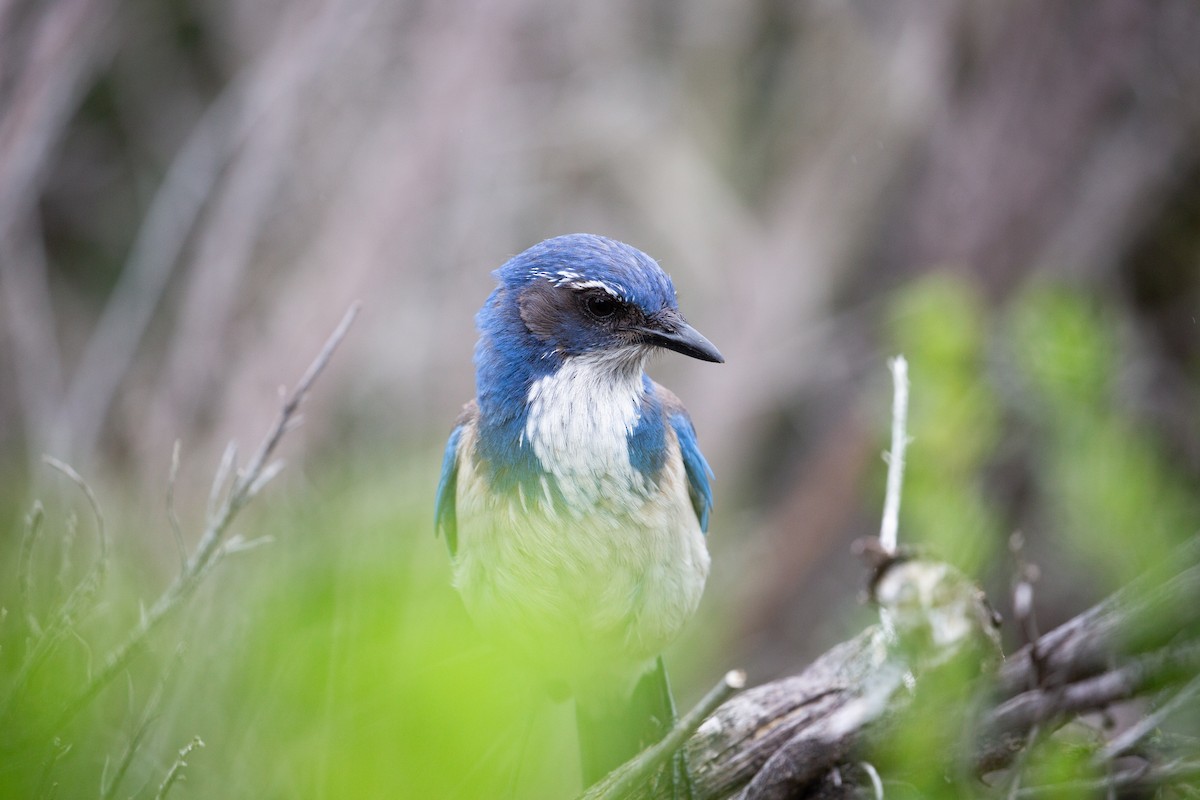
[802, 736]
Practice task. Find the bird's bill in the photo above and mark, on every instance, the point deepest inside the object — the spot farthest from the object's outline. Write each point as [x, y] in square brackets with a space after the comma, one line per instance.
[670, 331]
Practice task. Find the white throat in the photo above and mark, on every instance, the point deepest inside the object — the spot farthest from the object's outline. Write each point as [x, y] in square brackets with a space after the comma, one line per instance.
[579, 423]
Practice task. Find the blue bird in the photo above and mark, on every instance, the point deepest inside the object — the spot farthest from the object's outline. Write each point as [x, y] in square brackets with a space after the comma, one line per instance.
[574, 497]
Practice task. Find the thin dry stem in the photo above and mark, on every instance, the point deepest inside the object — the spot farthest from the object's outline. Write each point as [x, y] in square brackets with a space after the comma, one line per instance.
[172, 516]
[638, 770]
[1127, 740]
[175, 773]
[77, 479]
[33, 527]
[108, 788]
[220, 480]
[76, 602]
[889, 528]
[209, 550]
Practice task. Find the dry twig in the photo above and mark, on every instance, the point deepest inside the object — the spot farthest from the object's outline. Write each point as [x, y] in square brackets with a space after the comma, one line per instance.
[246, 483]
[175, 773]
[637, 771]
[889, 528]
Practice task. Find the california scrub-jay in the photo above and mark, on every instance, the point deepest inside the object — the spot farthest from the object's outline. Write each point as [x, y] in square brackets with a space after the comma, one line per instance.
[573, 496]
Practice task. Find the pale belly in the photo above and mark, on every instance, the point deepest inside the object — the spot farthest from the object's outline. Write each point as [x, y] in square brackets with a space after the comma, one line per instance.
[585, 599]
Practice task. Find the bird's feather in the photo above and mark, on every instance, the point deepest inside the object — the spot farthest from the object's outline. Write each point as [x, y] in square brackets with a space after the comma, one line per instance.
[698, 472]
[445, 511]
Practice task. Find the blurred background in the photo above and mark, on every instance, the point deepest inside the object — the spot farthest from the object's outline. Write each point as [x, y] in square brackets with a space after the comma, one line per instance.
[193, 191]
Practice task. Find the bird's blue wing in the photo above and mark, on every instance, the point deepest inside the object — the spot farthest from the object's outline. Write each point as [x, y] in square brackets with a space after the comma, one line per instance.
[444, 513]
[699, 474]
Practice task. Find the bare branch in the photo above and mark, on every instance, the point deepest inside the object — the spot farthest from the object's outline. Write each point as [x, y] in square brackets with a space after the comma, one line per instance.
[876, 781]
[895, 457]
[74, 605]
[1130, 738]
[1022, 604]
[172, 517]
[267, 475]
[1048, 705]
[58, 749]
[221, 480]
[799, 735]
[108, 788]
[1147, 776]
[291, 405]
[1131, 618]
[175, 773]
[101, 533]
[639, 769]
[735, 743]
[33, 527]
[210, 547]
[237, 544]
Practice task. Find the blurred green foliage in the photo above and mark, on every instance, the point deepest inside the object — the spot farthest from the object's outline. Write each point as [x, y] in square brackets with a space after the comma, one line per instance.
[921, 755]
[1115, 499]
[1036, 382]
[334, 661]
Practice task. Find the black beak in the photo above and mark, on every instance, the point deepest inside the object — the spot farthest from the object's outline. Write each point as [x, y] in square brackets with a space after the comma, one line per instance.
[668, 329]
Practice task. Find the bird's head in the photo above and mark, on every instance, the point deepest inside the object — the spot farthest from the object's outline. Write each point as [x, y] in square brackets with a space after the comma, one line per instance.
[586, 295]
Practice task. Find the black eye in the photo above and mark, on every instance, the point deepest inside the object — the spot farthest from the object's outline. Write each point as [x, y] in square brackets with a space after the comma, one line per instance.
[600, 306]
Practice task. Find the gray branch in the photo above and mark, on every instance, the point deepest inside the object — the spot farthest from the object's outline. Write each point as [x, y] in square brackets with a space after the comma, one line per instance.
[803, 736]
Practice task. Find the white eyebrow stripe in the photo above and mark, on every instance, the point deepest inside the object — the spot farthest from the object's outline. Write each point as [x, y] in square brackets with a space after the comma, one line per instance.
[596, 285]
[572, 279]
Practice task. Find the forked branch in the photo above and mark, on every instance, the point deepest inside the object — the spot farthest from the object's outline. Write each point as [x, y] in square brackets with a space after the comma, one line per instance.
[214, 543]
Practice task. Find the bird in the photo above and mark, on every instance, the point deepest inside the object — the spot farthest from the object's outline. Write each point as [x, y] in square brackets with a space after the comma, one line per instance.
[573, 497]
